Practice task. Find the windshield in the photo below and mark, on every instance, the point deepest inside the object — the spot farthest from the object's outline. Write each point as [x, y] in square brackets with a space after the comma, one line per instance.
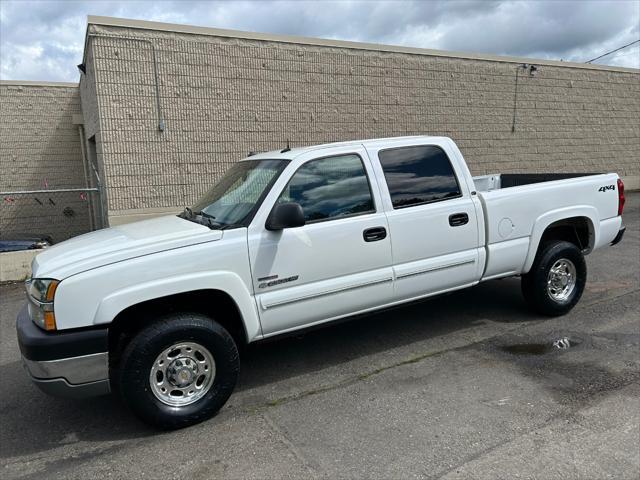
[234, 199]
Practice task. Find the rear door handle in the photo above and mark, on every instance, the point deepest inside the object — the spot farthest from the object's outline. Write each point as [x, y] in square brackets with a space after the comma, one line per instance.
[374, 234]
[458, 219]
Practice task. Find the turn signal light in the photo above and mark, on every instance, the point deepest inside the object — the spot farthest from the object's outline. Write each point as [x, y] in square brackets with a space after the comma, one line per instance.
[49, 321]
[51, 291]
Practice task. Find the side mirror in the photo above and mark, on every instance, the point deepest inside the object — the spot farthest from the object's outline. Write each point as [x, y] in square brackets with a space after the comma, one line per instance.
[285, 215]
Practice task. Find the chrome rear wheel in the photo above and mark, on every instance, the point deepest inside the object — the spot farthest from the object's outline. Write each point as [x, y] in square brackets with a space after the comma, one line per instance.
[561, 280]
[556, 280]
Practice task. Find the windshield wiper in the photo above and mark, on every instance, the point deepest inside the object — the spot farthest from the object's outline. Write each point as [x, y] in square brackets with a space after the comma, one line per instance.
[202, 213]
[206, 219]
[203, 218]
[209, 218]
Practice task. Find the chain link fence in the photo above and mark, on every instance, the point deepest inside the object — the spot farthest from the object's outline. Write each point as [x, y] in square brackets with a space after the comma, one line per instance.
[54, 214]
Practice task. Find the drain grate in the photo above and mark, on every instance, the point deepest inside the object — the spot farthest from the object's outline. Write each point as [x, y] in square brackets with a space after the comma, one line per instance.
[562, 343]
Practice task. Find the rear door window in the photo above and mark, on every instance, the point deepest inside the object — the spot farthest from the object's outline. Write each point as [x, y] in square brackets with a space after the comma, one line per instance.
[417, 175]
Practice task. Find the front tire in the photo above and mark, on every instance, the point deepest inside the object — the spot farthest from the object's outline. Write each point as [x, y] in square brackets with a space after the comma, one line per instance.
[178, 371]
[556, 280]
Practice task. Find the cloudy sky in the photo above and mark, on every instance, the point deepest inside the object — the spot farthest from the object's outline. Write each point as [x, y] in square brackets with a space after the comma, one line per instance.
[43, 40]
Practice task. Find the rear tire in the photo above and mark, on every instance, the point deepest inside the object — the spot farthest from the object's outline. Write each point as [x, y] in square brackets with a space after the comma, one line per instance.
[178, 371]
[556, 280]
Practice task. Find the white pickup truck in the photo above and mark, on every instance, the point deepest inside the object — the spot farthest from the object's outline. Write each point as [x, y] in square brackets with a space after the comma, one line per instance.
[156, 310]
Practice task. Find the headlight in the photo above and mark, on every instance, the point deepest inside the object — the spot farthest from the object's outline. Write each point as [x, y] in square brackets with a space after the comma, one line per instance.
[42, 289]
[41, 292]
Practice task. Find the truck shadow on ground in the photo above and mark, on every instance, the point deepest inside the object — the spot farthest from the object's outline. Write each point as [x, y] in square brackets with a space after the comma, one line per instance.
[33, 422]
[300, 354]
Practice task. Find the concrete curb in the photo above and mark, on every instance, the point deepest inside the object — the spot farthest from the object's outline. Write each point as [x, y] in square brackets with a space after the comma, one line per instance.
[16, 266]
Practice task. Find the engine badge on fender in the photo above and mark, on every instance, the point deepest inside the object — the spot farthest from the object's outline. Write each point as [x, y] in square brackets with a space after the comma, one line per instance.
[273, 283]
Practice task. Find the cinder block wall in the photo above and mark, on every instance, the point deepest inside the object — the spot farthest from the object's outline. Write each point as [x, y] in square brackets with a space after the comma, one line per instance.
[40, 150]
[222, 96]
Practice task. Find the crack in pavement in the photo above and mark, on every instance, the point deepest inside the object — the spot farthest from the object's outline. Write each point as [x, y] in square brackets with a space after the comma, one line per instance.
[313, 472]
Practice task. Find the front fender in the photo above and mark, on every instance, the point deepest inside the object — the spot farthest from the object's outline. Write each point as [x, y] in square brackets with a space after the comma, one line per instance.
[228, 282]
[543, 221]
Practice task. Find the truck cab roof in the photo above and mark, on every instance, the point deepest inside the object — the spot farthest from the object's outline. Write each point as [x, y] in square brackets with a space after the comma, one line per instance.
[295, 152]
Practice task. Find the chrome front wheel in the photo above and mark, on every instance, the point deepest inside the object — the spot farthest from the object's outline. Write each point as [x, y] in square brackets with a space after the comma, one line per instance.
[182, 374]
[178, 370]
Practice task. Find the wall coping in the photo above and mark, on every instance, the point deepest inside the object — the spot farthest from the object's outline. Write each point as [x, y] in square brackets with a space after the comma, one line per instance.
[219, 32]
[37, 83]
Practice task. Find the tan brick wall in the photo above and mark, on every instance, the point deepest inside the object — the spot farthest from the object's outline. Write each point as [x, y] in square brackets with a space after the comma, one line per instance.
[40, 149]
[223, 97]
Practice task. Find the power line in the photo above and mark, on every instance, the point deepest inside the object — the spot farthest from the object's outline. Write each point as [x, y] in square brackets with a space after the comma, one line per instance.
[627, 54]
[612, 51]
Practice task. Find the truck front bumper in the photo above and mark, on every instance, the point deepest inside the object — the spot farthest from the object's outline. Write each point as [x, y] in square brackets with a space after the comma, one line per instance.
[72, 364]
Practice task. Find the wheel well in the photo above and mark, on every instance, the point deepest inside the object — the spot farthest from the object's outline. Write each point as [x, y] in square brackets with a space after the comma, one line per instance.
[213, 303]
[576, 230]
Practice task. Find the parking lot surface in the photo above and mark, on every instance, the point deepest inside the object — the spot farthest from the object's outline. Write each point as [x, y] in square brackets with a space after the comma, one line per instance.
[462, 386]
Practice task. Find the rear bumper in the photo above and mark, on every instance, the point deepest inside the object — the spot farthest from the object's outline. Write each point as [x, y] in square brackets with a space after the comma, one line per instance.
[619, 236]
[71, 364]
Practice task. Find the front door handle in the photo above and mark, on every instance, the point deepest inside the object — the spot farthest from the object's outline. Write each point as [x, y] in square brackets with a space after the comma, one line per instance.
[374, 234]
[458, 219]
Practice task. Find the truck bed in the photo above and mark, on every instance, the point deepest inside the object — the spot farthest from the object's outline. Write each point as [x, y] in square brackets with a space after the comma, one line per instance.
[518, 207]
[486, 183]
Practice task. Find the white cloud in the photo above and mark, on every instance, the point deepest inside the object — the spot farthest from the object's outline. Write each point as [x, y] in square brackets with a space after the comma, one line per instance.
[43, 40]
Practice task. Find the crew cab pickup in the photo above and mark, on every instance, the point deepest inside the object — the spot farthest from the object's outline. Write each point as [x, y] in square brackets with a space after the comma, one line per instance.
[156, 310]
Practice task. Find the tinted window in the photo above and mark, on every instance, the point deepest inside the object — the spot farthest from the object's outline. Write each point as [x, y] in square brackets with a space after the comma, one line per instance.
[418, 175]
[330, 188]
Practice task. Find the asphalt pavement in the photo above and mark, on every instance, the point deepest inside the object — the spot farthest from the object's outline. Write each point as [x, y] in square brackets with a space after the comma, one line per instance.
[462, 386]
